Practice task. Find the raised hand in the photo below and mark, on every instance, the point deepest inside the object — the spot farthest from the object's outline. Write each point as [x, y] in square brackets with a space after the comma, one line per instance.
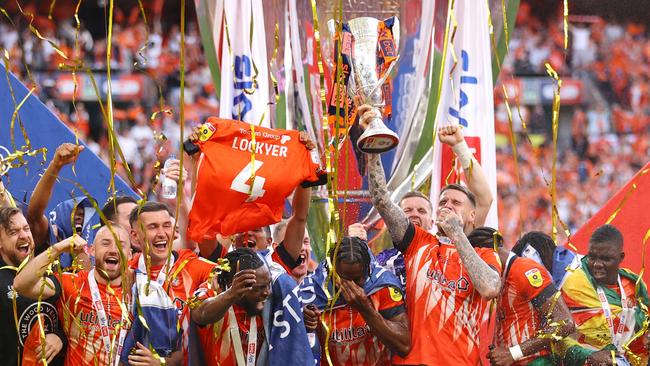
[243, 282]
[66, 153]
[306, 140]
[358, 230]
[450, 135]
[366, 114]
[173, 171]
[74, 244]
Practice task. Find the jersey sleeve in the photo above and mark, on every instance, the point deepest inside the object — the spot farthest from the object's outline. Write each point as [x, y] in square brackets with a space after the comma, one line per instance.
[389, 301]
[204, 292]
[534, 281]
[283, 258]
[414, 238]
[201, 270]
[65, 285]
[490, 257]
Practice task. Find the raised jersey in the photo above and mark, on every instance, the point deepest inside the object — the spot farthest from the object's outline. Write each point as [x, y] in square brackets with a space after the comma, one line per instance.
[80, 321]
[235, 192]
[445, 311]
[216, 340]
[351, 341]
[526, 288]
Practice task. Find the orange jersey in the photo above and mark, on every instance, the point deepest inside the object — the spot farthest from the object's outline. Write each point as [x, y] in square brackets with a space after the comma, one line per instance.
[526, 288]
[227, 200]
[80, 320]
[351, 341]
[186, 275]
[215, 339]
[445, 312]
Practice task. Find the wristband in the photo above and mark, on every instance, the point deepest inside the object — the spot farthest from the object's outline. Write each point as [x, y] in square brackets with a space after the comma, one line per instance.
[463, 153]
[516, 353]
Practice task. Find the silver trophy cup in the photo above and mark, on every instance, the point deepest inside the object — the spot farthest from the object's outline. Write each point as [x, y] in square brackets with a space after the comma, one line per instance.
[364, 82]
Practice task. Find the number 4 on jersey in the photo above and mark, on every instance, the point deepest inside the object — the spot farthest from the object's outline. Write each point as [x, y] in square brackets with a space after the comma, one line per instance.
[240, 183]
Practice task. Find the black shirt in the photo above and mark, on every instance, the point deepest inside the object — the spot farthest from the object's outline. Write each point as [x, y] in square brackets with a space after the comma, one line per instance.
[11, 344]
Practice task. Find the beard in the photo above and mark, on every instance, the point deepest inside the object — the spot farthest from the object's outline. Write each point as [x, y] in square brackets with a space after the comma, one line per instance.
[252, 307]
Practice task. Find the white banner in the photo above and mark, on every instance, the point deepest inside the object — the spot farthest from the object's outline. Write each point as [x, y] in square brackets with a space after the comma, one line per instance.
[467, 99]
[240, 98]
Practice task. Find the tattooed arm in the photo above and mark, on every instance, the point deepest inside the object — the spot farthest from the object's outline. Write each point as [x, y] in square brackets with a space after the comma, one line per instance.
[485, 279]
[393, 216]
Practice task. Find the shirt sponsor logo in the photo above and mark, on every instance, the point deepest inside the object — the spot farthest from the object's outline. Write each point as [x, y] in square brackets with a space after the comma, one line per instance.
[342, 335]
[460, 284]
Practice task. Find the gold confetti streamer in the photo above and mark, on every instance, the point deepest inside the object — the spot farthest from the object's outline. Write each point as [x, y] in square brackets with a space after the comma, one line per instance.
[555, 127]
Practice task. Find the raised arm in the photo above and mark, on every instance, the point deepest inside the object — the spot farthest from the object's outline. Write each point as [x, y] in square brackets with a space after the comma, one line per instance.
[66, 153]
[295, 231]
[485, 279]
[395, 219]
[474, 175]
[31, 281]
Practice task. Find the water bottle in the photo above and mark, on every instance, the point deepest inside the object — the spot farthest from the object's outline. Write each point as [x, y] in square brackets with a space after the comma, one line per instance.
[168, 185]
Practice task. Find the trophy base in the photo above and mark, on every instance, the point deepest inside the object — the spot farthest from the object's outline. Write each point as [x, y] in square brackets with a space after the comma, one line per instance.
[377, 140]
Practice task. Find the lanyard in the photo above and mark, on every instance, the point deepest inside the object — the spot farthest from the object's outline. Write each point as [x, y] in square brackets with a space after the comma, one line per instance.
[251, 347]
[103, 320]
[162, 275]
[617, 335]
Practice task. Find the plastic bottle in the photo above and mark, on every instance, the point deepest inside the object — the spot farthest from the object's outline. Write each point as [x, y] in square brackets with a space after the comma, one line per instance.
[168, 185]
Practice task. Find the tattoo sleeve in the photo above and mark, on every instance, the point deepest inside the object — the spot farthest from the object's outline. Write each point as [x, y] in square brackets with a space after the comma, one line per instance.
[485, 279]
[393, 216]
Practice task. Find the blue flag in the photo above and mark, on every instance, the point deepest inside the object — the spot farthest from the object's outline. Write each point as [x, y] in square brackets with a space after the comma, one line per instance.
[286, 336]
[313, 287]
[45, 130]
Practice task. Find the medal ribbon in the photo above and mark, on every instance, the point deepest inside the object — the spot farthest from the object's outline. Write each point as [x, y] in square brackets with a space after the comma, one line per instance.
[103, 320]
[617, 335]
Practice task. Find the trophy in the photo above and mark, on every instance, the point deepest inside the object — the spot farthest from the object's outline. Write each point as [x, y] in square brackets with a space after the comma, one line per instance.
[366, 82]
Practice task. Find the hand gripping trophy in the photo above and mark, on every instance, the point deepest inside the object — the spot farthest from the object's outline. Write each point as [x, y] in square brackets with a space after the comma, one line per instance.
[372, 45]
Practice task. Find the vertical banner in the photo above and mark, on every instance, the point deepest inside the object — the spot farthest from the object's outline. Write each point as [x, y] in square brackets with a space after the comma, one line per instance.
[296, 76]
[466, 97]
[244, 64]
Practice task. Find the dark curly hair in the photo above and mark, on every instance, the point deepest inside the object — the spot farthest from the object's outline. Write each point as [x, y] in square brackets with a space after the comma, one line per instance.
[239, 260]
[352, 250]
[485, 237]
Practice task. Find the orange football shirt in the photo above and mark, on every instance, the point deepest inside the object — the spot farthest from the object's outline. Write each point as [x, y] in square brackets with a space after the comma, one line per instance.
[351, 341]
[80, 321]
[186, 275]
[445, 311]
[527, 287]
[215, 339]
[227, 200]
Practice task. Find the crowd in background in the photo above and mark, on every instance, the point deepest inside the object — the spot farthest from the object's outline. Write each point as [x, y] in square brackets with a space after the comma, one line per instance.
[608, 142]
[609, 137]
